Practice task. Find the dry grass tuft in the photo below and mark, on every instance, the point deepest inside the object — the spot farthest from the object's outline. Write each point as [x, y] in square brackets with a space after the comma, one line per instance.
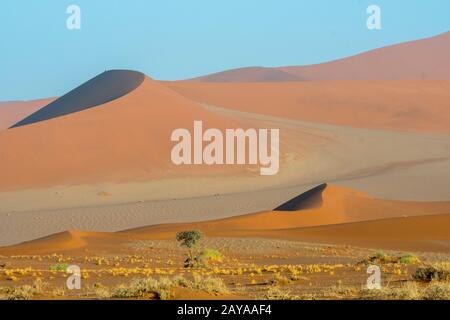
[209, 284]
[276, 293]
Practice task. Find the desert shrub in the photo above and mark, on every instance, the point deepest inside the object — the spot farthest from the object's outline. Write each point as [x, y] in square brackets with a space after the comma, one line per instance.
[380, 255]
[58, 292]
[437, 291]
[148, 287]
[276, 293]
[58, 267]
[25, 292]
[340, 291]
[208, 256]
[209, 284]
[437, 271]
[408, 291]
[39, 286]
[181, 281]
[101, 291]
[408, 259]
[279, 279]
[124, 291]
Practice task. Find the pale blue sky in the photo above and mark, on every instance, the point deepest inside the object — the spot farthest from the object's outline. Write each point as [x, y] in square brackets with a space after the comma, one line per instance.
[176, 39]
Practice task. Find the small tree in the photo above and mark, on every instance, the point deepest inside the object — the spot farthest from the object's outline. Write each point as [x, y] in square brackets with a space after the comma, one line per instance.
[189, 239]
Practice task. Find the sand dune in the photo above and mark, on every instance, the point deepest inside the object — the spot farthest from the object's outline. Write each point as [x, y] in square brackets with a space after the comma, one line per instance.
[251, 74]
[345, 216]
[389, 165]
[419, 233]
[125, 139]
[420, 106]
[425, 59]
[338, 205]
[72, 240]
[101, 89]
[307, 200]
[13, 111]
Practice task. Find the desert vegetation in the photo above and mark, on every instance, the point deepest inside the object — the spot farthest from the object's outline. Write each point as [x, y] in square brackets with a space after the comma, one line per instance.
[199, 267]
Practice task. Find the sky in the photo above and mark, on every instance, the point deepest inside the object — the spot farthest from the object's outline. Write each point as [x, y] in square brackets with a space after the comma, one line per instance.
[179, 39]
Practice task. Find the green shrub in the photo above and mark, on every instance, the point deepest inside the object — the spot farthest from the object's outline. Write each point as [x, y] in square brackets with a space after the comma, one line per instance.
[58, 267]
[409, 259]
[209, 256]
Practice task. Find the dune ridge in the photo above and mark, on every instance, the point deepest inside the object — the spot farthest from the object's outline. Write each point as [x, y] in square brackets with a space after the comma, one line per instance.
[414, 106]
[105, 87]
[424, 59]
[309, 199]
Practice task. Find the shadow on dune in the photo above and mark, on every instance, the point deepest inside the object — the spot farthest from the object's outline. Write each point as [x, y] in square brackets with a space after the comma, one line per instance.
[105, 87]
[307, 200]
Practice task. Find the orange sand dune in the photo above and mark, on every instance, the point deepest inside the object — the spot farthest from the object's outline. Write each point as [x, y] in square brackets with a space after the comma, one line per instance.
[421, 106]
[424, 59]
[334, 215]
[420, 233]
[73, 240]
[334, 205]
[250, 74]
[62, 241]
[125, 139]
[14, 111]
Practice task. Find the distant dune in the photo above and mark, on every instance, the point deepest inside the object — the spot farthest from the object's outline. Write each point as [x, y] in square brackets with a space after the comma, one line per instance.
[307, 200]
[425, 59]
[339, 205]
[344, 217]
[251, 74]
[420, 106]
[418, 233]
[13, 111]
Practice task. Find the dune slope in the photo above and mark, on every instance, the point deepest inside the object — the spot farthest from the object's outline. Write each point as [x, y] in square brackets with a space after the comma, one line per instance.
[13, 111]
[424, 59]
[101, 89]
[419, 233]
[419, 106]
[124, 139]
[251, 74]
